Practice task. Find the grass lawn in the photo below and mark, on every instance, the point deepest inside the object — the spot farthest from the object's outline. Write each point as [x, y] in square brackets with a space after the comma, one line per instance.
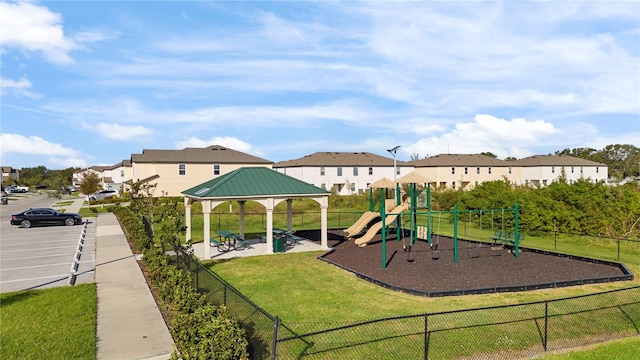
[303, 290]
[614, 350]
[57, 323]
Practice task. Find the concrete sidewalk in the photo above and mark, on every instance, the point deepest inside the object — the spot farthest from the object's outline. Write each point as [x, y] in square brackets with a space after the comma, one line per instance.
[130, 325]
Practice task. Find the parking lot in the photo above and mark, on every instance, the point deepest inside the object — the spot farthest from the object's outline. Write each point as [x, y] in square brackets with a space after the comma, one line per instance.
[44, 256]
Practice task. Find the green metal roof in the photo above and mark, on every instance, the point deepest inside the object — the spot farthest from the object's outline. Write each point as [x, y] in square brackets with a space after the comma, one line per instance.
[253, 182]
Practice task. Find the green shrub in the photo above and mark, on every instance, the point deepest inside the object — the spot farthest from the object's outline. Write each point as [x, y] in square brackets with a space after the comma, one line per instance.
[200, 330]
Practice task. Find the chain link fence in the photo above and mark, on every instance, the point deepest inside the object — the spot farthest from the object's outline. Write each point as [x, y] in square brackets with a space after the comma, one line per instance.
[509, 331]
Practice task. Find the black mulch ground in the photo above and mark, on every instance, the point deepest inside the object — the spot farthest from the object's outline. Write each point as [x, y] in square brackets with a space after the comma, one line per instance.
[478, 267]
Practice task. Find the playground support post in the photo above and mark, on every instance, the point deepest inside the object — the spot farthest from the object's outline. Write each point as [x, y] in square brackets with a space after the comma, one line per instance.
[398, 201]
[455, 234]
[517, 232]
[429, 213]
[383, 216]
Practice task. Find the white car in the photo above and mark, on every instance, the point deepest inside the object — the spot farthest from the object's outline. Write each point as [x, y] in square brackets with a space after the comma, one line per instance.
[103, 194]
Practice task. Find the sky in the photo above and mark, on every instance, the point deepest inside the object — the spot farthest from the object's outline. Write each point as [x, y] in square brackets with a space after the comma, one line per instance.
[89, 83]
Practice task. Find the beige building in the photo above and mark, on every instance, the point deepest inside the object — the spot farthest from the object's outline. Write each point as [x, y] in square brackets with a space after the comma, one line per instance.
[9, 175]
[542, 170]
[345, 173]
[177, 170]
[466, 171]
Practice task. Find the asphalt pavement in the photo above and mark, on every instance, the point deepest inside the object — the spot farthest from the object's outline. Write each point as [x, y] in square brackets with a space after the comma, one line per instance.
[129, 324]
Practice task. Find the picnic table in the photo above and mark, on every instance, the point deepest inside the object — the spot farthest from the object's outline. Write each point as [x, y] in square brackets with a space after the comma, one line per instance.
[228, 240]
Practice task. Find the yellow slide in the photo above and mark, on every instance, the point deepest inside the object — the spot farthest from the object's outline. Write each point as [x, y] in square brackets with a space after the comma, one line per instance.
[366, 218]
[357, 227]
[373, 230]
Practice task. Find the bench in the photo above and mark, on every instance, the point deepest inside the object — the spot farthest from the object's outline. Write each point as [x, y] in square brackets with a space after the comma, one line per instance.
[506, 237]
[220, 245]
[295, 239]
[238, 239]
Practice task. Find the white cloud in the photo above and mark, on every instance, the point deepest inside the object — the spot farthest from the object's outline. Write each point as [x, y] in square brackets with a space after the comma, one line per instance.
[68, 162]
[32, 28]
[121, 132]
[487, 133]
[32, 145]
[20, 87]
[226, 141]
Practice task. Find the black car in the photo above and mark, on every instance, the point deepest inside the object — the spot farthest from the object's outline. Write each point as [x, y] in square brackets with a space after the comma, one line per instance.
[44, 216]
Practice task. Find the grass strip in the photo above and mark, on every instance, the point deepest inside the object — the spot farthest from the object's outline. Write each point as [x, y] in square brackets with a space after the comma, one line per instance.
[56, 323]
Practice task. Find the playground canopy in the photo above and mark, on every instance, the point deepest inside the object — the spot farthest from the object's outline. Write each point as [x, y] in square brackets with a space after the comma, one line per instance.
[263, 185]
[413, 178]
[383, 183]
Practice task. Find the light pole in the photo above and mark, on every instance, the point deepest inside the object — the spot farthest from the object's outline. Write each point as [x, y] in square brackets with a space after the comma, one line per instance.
[393, 152]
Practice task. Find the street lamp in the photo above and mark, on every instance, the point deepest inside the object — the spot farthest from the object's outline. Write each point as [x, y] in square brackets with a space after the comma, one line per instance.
[393, 152]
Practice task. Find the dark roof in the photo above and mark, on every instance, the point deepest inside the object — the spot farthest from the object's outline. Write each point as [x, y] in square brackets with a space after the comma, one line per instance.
[340, 159]
[460, 160]
[554, 160]
[212, 154]
[253, 182]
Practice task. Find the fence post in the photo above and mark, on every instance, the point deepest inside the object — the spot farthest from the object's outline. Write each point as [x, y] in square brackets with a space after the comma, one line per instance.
[426, 336]
[618, 249]
[197, 276]
[274, 338]
[546, 324]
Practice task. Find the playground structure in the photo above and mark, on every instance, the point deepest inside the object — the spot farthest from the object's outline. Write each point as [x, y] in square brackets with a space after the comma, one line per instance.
[366, 218]
[504, 237]
[390, 218]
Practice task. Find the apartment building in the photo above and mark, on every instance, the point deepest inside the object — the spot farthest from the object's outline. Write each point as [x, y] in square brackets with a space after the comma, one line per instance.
[466, 171]
[177, 170]
[542, 170]
[345, 173]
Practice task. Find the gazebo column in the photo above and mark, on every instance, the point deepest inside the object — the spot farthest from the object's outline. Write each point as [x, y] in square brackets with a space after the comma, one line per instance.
[324, 205]
[289, 214]
[241, 211]
[206, 213]
[187, 217]
[269, 207]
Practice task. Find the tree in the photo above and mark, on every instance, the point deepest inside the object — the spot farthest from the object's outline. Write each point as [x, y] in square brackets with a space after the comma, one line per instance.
[58, 190]
[417, 156]
[489, 154]
[510, 158]
[90, 183]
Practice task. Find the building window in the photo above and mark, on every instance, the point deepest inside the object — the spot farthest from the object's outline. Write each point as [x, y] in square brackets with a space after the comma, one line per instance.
[353, 187]
[572, 169]
[370, 171]
[544, 182]
[489, 169]
[478, 170]
[476, 183]
[397, 171]
[581, 169]
[453, 170]
[182, 169]
[509, 169]
[323, 185]
[596, 169]
[466, 170]
[553, 169]
[322, 171]
[453, 185]
[339, 171]
[216, 169]
[355, 171]
[122, 172]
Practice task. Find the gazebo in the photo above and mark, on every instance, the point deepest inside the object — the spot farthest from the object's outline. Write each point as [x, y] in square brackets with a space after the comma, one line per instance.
[263, 185]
